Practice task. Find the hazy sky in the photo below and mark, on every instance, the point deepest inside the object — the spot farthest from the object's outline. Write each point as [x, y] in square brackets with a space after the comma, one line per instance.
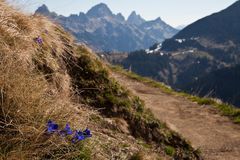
[174, 12]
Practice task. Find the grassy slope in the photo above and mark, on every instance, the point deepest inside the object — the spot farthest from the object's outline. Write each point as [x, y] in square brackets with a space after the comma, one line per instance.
[92, 82]
[226, 109]
[62, 81]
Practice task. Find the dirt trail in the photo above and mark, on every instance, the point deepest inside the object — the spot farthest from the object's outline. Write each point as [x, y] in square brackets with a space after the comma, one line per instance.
[215, 135]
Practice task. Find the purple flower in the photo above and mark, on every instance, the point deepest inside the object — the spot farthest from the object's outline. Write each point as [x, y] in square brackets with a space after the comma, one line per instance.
[39, 40]
[78, 136]
[87, 133]
[51, 127]
[66, 131]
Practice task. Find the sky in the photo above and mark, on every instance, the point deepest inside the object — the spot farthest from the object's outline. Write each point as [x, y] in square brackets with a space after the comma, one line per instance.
[173, 12]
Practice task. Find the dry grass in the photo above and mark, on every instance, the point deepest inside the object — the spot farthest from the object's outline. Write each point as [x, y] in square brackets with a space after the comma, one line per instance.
[35, 86]
[26, 105]
[28, 100]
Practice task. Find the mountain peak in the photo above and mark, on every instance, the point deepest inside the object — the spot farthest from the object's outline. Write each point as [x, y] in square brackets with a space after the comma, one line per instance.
[120, 17]
[135, 19]
[158, 19]
[100, 10]
[43, 10]
[133, 13]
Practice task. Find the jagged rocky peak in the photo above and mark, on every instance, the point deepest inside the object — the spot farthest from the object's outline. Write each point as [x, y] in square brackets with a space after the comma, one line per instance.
[81, 14]
[135, 19]
[100, 10]
[73, 15]
[120, 17]
[82, 17]
[158, 19]
[43, 10]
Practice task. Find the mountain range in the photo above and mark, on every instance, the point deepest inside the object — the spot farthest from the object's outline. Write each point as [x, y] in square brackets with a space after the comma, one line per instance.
[105, 31]
[203, 58]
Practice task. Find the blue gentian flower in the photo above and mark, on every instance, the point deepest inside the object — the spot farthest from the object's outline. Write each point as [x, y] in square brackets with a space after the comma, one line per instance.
[87, 133]
[51, 127]
[78, 136]
[66, 131]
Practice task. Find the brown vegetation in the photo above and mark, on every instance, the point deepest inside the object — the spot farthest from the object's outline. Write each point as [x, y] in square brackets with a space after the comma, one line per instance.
[59, 80]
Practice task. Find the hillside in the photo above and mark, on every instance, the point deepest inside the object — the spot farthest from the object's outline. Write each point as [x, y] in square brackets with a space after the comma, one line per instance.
[212, 83]
[105, 31]
[45, 76]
